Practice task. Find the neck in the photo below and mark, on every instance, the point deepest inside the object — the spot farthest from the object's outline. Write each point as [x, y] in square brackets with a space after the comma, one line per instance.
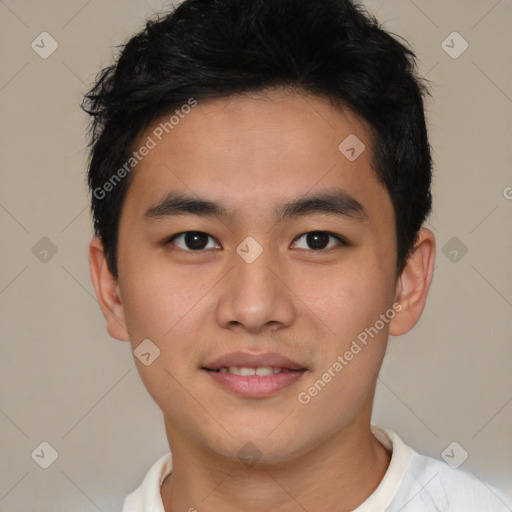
[339, 474]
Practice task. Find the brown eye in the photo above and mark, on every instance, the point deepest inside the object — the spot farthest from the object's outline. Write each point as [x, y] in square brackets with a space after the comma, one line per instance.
[191, 240]
[319, 240]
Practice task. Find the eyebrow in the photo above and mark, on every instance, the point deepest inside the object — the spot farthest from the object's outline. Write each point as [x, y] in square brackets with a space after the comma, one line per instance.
[335, 202]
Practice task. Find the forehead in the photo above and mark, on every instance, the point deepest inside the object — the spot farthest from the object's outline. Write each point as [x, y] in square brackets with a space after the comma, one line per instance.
[257, 149]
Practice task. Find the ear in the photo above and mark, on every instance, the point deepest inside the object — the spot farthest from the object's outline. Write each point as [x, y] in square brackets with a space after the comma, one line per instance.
[107, 291]
[414, 283]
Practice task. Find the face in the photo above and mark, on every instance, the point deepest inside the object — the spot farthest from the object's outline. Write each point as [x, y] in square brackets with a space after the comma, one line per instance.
[248, 239]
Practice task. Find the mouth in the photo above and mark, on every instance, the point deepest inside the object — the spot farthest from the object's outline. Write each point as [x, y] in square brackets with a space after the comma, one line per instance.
[245, 371]
[254, 375]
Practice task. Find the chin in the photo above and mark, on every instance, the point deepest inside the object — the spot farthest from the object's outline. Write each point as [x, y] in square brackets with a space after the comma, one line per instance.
[254, 447]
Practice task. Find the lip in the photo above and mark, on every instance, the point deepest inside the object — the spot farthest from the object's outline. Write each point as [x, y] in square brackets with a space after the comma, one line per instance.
[272, 359]
[254, 386]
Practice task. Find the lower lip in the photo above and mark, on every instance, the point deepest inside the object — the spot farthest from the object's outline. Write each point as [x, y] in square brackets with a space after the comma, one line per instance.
[254, 386]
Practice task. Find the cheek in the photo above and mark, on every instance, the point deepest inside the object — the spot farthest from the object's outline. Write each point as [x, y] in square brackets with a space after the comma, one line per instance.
[147, 310]
[164, 310]
[347, 299]
[155, 300]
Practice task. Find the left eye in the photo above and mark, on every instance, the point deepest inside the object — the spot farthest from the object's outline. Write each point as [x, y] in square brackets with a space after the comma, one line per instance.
[319, 240]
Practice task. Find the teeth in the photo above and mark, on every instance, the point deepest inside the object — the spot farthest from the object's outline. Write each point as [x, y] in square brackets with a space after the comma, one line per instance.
[235, 370]
[265, 370]
[244, 371]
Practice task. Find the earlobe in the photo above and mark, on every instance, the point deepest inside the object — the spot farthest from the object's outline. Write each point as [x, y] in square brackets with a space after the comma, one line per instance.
[414, 283]
[107, 291]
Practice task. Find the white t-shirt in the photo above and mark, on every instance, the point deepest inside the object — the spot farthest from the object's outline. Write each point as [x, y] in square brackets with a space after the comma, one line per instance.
[412, 483]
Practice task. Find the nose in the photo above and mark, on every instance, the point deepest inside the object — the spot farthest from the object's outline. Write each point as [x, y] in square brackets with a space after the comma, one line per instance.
[256, 296]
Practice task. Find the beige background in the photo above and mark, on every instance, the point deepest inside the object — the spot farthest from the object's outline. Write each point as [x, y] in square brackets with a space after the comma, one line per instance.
[66, 382]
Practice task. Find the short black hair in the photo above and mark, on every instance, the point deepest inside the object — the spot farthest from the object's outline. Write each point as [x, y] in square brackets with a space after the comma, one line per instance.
[216, 48]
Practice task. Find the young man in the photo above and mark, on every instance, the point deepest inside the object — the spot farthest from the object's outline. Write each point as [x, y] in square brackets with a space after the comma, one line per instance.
[260, 172]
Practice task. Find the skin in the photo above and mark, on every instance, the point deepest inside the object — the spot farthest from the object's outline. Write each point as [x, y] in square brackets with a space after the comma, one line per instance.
[252, 153]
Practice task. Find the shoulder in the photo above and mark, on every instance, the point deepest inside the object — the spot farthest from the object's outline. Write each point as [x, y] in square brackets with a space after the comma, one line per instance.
[147, 498]
[417, 483]
[431, 484]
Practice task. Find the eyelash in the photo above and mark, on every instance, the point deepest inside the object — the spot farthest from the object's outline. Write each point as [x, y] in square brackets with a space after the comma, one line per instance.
[341, 240]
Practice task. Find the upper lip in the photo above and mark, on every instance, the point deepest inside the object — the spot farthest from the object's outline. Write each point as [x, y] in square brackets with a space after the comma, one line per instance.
[248, 360]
